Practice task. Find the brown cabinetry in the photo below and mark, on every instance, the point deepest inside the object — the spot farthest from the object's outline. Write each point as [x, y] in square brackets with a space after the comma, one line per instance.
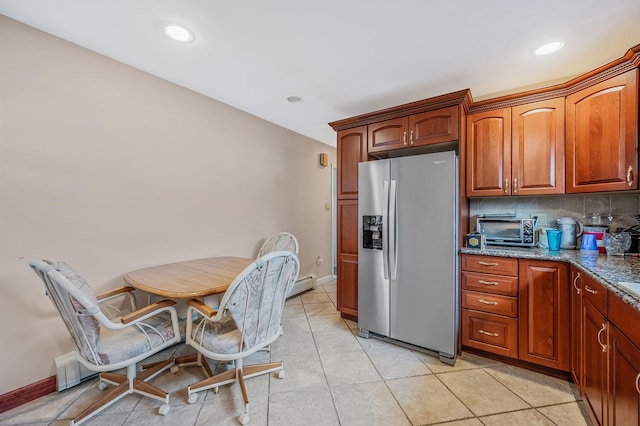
[602, 136]
[544, 313]
[575, 366]
[426, 128]
[347, 245]
[490, 304]
[624, 375]
[516, 151]
[595, 333]
[352, 149]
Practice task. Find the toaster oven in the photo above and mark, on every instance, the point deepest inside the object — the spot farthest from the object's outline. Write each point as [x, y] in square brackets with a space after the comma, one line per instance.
[508, 231]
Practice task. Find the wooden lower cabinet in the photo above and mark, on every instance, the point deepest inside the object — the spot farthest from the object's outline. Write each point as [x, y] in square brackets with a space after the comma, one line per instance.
[347, 278]
[575, 364]
[544, 313]
[624, 374]
[492, 333]
[594, 356]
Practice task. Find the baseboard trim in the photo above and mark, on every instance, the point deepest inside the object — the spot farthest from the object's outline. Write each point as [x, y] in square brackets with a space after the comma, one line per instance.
[325, 279]
[27, 393]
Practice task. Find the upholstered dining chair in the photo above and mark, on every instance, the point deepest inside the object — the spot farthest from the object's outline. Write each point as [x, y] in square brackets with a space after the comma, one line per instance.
[281, 241]
[105, 345]
[247, 320]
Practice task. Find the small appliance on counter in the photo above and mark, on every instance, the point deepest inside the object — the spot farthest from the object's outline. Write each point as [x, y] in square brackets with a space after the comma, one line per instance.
[507, 230]
[570, 234]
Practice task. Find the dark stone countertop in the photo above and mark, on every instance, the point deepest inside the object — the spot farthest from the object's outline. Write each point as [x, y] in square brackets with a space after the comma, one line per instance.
[607, 270]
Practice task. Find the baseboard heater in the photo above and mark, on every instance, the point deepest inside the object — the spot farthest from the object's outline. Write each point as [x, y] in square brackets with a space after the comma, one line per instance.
[303, 284]
[70, 372]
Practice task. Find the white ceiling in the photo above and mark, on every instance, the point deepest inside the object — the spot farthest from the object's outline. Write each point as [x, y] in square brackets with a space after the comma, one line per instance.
[343, 57]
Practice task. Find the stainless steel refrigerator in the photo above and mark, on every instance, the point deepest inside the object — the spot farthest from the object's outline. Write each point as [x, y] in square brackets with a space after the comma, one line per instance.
[407, 256]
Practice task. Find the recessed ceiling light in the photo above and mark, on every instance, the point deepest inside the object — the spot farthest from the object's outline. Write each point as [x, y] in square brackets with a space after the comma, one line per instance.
[294, 99]
[549, 48]
[179, 33]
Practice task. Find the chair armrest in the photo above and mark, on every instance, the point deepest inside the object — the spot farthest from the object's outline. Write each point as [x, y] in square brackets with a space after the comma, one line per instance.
[115, 292]
[204, 309]
[133, 316]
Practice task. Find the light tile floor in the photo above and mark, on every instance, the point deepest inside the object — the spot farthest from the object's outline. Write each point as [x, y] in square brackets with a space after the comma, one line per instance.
[334, 377]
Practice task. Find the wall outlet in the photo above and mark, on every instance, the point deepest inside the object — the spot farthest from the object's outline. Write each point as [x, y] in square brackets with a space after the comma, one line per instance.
[541, 219]
[319, 260]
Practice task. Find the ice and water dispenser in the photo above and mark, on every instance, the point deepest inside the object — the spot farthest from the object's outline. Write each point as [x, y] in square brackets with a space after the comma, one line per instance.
[372, 232]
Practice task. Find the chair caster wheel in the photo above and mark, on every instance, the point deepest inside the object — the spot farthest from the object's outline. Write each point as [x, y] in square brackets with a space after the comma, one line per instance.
[174, 369]
[102, 386]
[243, 419]
[281, 374]
[192, 398]
[164, 409]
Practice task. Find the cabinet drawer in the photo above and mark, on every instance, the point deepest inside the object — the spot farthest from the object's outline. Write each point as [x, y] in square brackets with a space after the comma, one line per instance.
[494, 304]
[495, 284]
[595, 293]
[489, 332]
[490, 264]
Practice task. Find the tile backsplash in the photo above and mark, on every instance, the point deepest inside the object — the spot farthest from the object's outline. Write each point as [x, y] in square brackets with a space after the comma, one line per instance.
[623, 207]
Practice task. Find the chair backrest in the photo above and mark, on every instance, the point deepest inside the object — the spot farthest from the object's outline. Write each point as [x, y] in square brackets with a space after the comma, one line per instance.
[75, 301]
[282, 241]
[255, 299]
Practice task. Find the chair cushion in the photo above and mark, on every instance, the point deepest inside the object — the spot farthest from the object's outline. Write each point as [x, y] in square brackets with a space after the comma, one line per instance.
[120, 345]
[221, 337]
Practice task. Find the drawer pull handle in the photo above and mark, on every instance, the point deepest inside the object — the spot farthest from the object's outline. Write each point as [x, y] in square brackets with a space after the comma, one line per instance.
[488, 282]
[483, 263]
[574, 283]
[487, 303]
[488, 333]
[590, 290]
[637, 378]
[604, 347]
[630, 176]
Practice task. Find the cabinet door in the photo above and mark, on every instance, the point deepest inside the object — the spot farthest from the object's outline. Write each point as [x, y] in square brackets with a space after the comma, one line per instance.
[595, 361]
[544, 313]
[436, 126]
[624, 375]
[537, 148]
[602, 134]
[576, 327]
[489, 153]
[387, 135]
[352, 149]
[347, 245]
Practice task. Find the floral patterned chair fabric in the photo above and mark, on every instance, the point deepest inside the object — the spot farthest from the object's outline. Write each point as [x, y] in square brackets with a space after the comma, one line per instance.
[247, 320]
[107, 344]
[282, 241]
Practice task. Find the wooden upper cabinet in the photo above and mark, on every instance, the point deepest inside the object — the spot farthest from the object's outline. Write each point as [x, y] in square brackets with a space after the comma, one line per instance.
[537, 148]
[352, 149]
[430, 127]
[516, 151]
[488, 153]
[436, 126]
[602, 136]
[388, 135]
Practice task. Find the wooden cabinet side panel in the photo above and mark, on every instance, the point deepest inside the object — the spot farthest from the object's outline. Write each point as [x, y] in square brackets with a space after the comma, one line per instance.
[576, 327]
[544, 313]
[347, 245]
[352, 148]
[489, 153]
[602, 136]
[537, 146]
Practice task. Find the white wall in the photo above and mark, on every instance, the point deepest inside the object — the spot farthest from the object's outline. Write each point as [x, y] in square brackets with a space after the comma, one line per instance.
[111, 169]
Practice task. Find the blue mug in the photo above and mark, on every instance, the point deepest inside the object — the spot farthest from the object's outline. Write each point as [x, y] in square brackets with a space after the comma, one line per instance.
[589, 242]
[554, 236]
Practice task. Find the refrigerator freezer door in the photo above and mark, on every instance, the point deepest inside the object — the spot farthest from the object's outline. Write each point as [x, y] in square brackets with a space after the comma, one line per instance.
[373, 288]
[423, 305]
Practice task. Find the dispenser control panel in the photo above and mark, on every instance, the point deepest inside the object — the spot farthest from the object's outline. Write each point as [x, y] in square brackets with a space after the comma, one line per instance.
[372, 232]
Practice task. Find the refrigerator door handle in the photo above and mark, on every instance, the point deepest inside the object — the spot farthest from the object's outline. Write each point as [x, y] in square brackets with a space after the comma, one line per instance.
[385, 231]
[393, 230]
